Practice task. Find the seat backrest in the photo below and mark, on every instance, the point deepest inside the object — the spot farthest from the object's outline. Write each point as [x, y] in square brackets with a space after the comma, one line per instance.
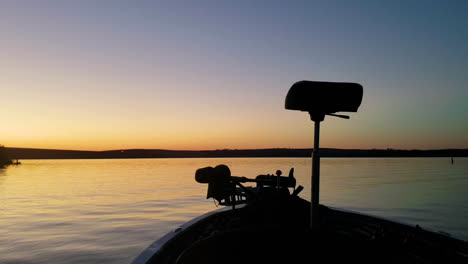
[324, 97]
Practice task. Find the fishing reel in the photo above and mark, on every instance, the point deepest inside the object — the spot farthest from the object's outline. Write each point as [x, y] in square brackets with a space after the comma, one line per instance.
[229, 190]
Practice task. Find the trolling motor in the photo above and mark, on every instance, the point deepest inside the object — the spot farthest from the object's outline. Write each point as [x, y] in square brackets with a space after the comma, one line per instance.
[229, 190]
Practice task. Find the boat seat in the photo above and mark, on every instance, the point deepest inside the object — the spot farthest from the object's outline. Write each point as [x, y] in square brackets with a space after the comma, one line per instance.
[322, 98]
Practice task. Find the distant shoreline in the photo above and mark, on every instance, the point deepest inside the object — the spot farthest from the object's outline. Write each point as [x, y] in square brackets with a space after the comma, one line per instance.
[30, 153]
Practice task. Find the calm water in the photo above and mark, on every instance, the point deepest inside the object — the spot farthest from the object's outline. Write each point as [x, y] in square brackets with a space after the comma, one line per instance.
[108, 211]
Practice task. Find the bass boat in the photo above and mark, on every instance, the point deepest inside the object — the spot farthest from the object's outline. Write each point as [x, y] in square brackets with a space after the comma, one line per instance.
[268, 222]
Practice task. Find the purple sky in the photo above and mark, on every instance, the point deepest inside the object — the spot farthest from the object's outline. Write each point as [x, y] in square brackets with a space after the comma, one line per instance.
[205, 75]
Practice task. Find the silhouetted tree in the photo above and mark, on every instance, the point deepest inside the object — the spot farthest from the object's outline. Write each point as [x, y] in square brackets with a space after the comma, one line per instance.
[4, 160]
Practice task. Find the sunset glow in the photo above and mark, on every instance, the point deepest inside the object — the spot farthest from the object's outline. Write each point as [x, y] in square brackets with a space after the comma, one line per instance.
[95, 76]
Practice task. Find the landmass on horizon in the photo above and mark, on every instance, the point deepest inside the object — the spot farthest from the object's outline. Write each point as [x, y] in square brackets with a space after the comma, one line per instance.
[32, 153]
[4, 159]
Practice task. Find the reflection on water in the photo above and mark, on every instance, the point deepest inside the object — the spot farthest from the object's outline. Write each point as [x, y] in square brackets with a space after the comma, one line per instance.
[107, 211]
[2, 175]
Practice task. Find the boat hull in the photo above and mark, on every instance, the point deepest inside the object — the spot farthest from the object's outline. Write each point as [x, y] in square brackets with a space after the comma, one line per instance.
[277, 230]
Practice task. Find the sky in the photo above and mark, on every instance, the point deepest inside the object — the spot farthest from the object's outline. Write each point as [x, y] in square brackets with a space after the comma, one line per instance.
[192, 75]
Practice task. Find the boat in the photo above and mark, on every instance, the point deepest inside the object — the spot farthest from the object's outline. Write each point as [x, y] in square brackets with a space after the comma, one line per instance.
[268, 222]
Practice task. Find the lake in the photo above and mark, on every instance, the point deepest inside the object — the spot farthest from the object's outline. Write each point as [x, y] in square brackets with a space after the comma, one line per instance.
[108, 211]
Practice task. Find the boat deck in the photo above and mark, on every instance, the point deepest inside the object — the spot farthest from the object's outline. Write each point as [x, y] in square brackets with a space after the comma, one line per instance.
[277, 230]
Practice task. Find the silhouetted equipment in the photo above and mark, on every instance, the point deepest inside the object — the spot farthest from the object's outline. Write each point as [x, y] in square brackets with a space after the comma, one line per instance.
[320, 99]
[278, 180]
[222, 186]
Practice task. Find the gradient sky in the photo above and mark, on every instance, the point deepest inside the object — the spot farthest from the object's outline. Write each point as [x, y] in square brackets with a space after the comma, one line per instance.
[99, 75]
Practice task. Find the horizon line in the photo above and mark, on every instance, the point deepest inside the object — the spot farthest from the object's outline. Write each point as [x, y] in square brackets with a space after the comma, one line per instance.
[237, 149]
